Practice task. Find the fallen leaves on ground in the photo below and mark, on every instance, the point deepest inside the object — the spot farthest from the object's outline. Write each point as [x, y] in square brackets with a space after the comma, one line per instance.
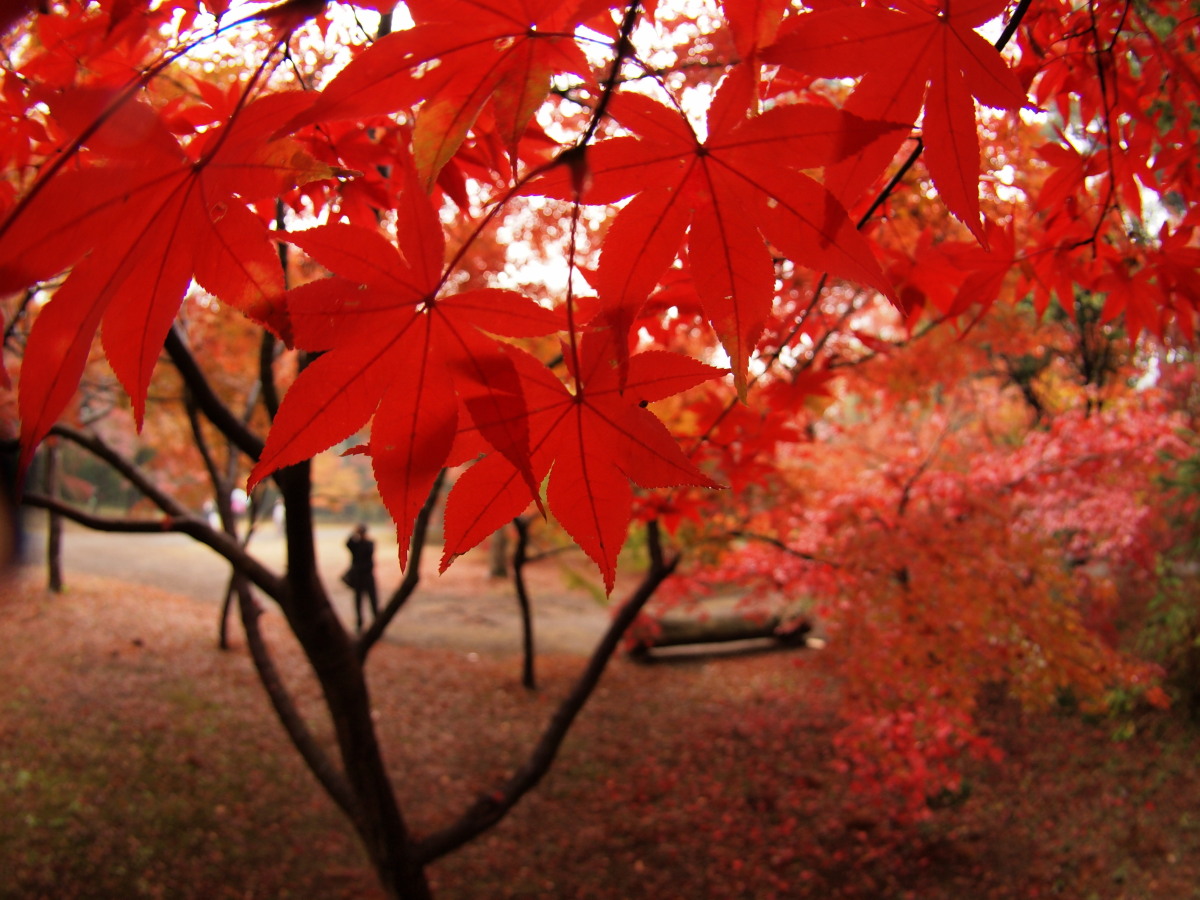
[136, 760]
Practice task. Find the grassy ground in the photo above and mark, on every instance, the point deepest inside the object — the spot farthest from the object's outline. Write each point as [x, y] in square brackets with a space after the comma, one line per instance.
[138, 761]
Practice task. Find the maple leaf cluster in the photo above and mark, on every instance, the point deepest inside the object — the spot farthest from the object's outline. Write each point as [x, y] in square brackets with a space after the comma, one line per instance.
[709, 208]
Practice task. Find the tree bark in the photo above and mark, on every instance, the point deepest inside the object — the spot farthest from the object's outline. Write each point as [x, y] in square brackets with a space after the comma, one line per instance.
[520, 558]
[293, 723]
[498, 554]
[54, 527]
[334, 658]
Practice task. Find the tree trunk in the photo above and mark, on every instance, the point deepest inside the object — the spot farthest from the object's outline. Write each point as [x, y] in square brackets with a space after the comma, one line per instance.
[334, 660]
[498, 554]
[54, 529]
[520, 558]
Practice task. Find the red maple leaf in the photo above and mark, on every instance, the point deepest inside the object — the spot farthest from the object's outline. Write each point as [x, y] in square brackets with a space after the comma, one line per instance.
[913, 52]
[592, 441]
[753, 24]
[983, 272]
[1132, 291]
[460, 55]
[1177, 269]
[137, 230]
[398, 351]
[738, 189]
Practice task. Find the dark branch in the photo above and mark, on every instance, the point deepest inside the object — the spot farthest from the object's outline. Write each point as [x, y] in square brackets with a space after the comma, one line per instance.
[124, 466]
[1013, 24]
[177, 518]
[411, 578]
[492, 807]
[924, 466]
[112, 524]
[781, 546]
[210, 463]
[263, 578]
[266, 373]
[213, 407]
[624, 50]
[18, 315]
[293, 723]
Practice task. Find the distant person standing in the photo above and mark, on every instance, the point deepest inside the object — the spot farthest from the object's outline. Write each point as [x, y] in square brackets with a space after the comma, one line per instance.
[361, 574]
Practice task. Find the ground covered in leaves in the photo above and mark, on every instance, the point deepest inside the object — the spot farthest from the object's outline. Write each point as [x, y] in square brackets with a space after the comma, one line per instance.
[136, 760]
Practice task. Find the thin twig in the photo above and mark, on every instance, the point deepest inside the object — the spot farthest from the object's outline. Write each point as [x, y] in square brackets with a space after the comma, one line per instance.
[781, 546]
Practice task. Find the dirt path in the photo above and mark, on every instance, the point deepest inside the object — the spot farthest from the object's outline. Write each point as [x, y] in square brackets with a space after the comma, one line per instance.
[463, 609]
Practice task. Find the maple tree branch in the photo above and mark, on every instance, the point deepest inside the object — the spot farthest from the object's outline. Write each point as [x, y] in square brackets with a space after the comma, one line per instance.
[781, 546]
[18, 314]
[201, 442]
[266, 377]
[266, 580]
[1014, 22]
[922, 332]
[880, 199]
[624, 50]
[648, 73]
[490, 808]
[222, 484]
[70, 151]
[1107, 101]
[1005, 36]
[572, 251]
[572, 157]
[214, 408]
[894, 182]
[111, 524]
[551, 552]
[269, 344]
[412, 577]
[319, 763]
[848, 313]
[177, 517]
[334, 660]
[124, 466]
[206, 455]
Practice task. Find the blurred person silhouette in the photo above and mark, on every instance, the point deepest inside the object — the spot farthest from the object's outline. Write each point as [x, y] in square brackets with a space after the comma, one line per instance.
[360, 577]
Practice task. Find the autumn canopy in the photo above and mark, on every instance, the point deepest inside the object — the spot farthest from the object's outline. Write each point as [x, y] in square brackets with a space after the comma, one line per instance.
[763, 152]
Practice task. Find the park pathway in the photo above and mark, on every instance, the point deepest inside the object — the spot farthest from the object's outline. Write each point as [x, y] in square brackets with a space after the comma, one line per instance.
[463, 609]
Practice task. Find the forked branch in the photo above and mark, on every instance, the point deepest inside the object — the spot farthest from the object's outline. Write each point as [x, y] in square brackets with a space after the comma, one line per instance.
[490, 808]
